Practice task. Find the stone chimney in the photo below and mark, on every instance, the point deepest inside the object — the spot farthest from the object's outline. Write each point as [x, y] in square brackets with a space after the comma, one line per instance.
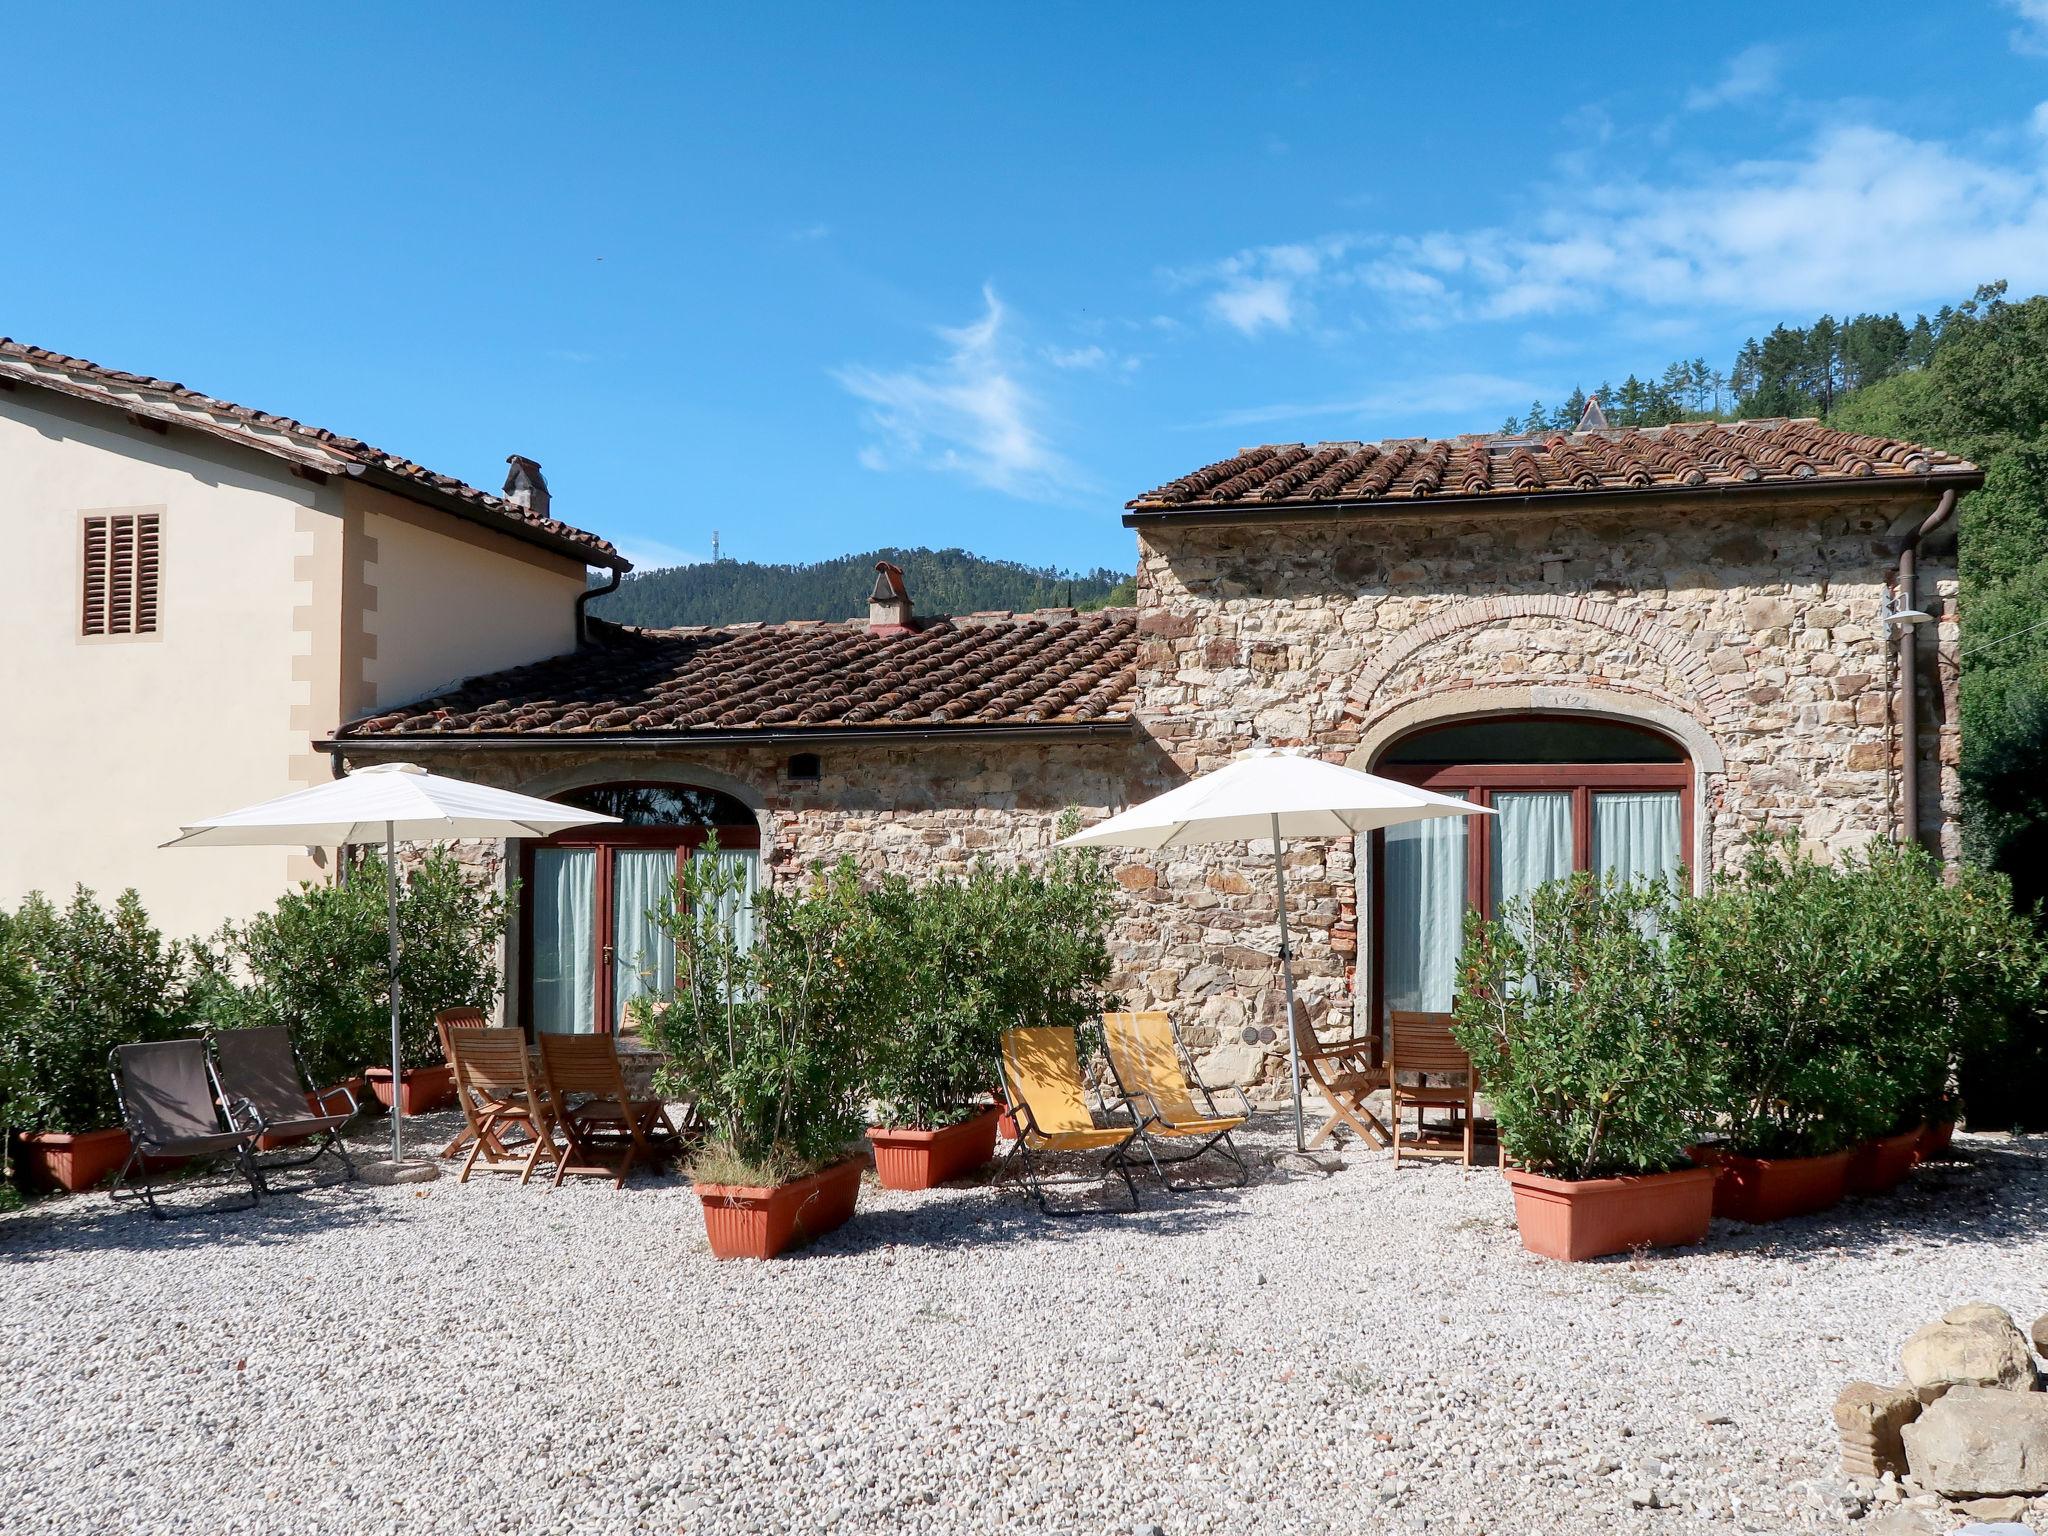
[525, 486]
[888, 604]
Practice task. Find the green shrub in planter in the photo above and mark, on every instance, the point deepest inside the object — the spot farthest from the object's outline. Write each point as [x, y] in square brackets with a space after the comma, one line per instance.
[967, 959]
[98, 977]
[768, 1036]
[1568, 1003]
[318, 963]
[1839, 996]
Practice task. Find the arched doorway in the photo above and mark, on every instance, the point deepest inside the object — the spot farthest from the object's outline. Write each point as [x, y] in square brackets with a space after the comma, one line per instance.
[1569, 792]
[586, 895]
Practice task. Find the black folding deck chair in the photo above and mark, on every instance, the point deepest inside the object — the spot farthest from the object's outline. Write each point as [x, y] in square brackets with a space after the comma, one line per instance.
[262, 1086]
[166, 1097]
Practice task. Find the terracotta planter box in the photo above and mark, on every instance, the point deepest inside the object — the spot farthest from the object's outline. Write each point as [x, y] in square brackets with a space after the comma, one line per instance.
[54, 1160]
[746, 1221]
[1760, 1189]
[907, 1159]
[425, 1089]
[1883, 1164]
[1576, 1219]
[1935, 1137]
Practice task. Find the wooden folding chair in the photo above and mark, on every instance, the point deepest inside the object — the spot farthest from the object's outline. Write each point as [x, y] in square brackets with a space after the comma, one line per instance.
[495, 1082]
[1420, 1045]
[1343, 1073]
[585, 1068]
[445, 1020]
[1156, 1077]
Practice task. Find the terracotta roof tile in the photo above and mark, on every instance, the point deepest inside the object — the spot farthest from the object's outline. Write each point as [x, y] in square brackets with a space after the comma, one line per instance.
[1050, 668]
[315, 448]
[1624, 461]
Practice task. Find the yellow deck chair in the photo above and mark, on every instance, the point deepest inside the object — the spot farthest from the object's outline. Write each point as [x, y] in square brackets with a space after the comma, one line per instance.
[1160, 1083]
[1041, 1074]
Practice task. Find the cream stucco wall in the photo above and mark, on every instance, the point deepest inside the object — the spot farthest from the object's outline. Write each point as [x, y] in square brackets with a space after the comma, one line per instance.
[109, 744]
[287, 607]
[449, 600]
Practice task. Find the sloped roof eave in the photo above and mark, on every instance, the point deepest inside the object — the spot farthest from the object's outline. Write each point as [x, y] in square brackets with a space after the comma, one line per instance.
[1141, 513]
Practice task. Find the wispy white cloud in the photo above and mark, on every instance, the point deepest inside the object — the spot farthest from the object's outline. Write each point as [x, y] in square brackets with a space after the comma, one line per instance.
[1452, 392]
[970, 413]
[1860, 217]
[1750, 74]
[809, 234]
[1267, 288]
[2031, 35]
[653, 555]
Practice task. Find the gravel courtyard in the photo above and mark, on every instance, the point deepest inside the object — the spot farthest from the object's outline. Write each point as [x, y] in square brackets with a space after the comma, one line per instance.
[1363, 1352]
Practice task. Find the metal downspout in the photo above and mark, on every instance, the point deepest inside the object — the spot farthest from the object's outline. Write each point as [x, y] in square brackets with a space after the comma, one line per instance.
[1909, 681]
[582, 603]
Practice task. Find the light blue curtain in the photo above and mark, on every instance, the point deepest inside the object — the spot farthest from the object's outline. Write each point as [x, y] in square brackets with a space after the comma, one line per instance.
[737, 912]
[643, 955]
[1635, 834]
[1424, 913]
[564, 940]
[1532, 841]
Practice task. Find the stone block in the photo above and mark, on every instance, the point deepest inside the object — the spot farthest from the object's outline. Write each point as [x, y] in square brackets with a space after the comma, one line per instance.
[1979, 1441]
[1977, 1345]
[1868, 1419]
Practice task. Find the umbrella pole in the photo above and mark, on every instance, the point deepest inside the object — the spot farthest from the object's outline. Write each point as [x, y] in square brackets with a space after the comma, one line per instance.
[391, 922]
[1287, 979]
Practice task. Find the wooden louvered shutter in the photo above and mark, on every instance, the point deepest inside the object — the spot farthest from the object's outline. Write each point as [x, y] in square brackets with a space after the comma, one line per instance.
[123, 564]
[95, 609]
[146, 569]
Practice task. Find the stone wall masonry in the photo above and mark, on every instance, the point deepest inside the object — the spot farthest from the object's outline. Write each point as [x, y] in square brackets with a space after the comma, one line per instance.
[1752, 633]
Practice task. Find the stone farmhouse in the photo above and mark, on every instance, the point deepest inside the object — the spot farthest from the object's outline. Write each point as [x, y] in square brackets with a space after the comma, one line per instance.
[1637, 646]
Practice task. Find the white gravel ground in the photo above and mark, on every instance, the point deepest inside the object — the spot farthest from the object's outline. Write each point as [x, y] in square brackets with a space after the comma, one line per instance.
[1363, 1352]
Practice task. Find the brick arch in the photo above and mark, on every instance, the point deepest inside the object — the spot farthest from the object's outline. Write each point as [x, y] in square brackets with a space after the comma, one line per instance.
[1715, 693]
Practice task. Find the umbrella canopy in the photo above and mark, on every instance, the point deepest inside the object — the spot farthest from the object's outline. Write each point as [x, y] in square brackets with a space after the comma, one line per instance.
[1265, 794]
[400, 797]
[384, 803]
[1270, 795]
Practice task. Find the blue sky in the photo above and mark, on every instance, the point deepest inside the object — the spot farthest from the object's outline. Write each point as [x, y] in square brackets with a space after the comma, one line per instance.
[829, 277]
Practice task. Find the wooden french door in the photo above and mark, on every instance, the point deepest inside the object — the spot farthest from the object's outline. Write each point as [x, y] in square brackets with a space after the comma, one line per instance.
[590, 940]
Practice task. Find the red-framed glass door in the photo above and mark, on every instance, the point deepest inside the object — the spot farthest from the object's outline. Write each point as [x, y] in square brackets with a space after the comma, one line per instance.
[589, 941]
[1551, 819]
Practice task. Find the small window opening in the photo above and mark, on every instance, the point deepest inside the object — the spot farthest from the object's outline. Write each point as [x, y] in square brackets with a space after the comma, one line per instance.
[804, 768]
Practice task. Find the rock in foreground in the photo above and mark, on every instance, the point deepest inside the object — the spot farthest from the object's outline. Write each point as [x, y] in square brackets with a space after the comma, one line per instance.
[1981, 1440]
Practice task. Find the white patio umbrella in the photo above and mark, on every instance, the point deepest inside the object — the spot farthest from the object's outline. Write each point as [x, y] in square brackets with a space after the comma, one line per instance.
[384, 803]
[1271, 794]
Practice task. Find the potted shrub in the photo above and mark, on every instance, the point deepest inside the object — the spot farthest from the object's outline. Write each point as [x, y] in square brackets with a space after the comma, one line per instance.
[1566, 1004]
[971, 958]
[1839, 997]
[319, 963]
[766, 1031]
[74, 984]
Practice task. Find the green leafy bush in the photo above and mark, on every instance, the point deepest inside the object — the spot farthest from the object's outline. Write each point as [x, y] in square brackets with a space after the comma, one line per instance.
[318, 963]
[768, 1038]
[1569, 1005]
[1837, 997]
[967, 959]
[97, 977]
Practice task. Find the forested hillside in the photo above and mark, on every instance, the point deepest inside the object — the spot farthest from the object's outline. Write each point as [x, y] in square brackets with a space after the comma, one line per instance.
[940, 581]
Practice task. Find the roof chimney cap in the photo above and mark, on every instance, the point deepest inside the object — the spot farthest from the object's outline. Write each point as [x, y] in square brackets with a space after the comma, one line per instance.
[889, 603]
[526, 486]
[1595, 419]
